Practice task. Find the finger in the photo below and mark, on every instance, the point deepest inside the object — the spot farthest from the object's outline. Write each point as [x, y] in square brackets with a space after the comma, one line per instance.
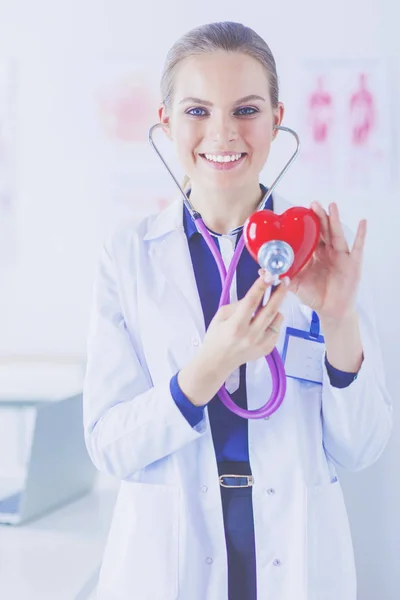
[338, 240]
[324, 222]
[249, 304]
[267, 313]
[359, 241]
[275, 325]
[271, 335]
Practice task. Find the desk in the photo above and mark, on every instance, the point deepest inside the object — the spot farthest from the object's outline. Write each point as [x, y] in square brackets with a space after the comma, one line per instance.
[52, 558]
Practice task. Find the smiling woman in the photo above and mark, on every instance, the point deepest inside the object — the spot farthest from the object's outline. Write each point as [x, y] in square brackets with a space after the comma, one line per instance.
[213, 506]
[220, 99]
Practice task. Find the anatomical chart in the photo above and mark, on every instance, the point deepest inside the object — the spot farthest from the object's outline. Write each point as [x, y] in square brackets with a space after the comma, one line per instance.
[344, 116]
[122, 101]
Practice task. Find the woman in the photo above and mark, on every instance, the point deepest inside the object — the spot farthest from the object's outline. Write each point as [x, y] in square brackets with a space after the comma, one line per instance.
[159, 350]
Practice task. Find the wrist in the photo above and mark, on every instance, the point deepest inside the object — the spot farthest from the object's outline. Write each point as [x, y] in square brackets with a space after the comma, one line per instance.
[201, 379]
[343, 344]
[213, 364]
[344, 322]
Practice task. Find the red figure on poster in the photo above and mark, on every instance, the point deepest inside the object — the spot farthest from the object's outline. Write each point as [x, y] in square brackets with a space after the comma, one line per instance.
[320, 107]
[362, 113]
[125, 109]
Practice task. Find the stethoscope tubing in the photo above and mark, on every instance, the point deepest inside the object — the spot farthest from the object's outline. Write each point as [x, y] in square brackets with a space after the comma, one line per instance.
[278, 375]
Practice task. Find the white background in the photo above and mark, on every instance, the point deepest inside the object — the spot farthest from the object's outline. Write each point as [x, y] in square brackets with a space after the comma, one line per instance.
[45, 288]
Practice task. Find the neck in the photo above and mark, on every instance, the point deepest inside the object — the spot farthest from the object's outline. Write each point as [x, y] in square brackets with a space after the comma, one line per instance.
[224, 210]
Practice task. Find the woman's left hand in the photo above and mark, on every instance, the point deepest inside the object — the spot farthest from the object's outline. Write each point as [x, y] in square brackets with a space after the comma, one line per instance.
[329, 281]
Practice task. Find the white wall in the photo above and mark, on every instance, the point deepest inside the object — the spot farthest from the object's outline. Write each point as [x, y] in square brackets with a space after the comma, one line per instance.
[45, 290]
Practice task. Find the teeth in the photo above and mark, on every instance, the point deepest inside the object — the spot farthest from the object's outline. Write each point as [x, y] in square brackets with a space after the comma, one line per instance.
[222, 159]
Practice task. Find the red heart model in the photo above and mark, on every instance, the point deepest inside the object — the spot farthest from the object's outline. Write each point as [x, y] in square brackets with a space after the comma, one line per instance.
[298, 226]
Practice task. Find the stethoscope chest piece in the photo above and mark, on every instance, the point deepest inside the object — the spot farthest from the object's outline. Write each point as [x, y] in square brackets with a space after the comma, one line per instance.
[276, 257]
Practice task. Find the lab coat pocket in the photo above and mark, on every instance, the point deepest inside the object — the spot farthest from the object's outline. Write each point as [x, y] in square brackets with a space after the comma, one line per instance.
[331, 568]
[141, 558]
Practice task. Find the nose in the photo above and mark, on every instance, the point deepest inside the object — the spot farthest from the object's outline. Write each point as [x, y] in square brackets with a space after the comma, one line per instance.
[222, 128]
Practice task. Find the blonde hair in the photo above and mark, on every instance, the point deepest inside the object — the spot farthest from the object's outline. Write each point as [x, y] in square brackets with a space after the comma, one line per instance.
[228, 36]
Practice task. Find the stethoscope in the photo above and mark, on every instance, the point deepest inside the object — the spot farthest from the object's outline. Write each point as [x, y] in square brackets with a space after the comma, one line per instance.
[275, 256]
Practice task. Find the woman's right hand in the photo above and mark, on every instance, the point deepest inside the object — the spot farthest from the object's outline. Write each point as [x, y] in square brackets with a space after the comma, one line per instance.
[236, 335]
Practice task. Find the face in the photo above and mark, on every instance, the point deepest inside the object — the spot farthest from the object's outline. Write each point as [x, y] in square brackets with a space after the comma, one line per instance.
[221, 119]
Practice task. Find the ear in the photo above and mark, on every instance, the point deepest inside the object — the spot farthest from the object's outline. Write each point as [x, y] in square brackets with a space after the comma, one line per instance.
[278, 118]
[164, 118]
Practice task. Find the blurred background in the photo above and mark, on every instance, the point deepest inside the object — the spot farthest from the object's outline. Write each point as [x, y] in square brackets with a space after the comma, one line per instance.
[78, 91]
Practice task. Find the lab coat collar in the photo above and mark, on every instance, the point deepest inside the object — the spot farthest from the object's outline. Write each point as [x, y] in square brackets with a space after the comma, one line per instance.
[189, 224]
[171, 218]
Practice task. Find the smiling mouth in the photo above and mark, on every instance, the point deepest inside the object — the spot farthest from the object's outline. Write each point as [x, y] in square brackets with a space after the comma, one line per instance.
[223, 158]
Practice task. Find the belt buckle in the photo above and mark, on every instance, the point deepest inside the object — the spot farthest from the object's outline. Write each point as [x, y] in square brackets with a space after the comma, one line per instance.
[250, 481]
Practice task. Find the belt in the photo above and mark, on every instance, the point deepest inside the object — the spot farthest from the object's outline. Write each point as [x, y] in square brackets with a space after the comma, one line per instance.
[236, 481]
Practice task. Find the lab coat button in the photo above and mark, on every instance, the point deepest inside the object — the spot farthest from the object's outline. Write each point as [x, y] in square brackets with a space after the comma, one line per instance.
[277, 562]
[209, 560]
[204, 489]
[271, 491]
[266, 418]
[195, 342]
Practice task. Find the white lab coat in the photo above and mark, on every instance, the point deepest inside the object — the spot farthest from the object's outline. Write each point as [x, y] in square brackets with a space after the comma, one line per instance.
[167, 537]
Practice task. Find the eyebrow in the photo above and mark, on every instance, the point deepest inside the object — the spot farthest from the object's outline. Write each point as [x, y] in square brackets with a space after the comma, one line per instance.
[249, 98]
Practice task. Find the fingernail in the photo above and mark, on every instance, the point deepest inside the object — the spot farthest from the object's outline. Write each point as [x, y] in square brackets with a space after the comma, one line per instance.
[286, 281]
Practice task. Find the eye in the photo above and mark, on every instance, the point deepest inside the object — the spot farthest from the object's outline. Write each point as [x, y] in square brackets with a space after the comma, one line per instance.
[246, 110]
[196, 112]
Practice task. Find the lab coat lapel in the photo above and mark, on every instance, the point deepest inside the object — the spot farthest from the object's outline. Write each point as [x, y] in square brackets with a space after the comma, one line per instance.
[175, 287]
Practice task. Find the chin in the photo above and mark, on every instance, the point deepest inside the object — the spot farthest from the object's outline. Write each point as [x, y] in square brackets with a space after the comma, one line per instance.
[228, 181]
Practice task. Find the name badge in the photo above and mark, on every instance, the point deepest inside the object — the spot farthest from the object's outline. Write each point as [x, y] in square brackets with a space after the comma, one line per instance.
[303, 353]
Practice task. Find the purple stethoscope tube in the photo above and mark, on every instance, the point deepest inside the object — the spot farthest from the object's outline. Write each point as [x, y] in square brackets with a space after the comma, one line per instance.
[274, 360]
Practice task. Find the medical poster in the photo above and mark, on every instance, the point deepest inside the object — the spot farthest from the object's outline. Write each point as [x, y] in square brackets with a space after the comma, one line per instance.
[120, 101]
[345, 120]
[7, 161]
